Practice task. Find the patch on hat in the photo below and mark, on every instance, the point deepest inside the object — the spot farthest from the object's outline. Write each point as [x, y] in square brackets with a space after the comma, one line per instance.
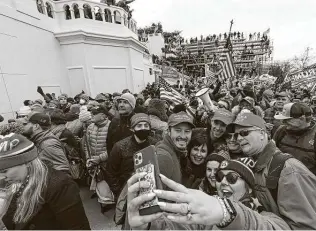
[224, 164]
[240, 118]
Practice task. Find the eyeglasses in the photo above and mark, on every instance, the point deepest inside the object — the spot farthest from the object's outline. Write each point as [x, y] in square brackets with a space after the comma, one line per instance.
[245, 133]
[231, 177]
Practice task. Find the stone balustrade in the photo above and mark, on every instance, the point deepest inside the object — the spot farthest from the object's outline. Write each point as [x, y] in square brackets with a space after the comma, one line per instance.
[90, 10]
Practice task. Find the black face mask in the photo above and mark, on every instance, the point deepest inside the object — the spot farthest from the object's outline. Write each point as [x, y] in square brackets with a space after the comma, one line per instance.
[142, 134]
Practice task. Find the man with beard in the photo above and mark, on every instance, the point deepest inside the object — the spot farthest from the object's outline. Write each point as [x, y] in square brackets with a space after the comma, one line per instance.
[120, 127]
[297, 135]
[172, 150]
[291, 195]
[216, 129]
[49, 147]
[120, 166]
[282, 98]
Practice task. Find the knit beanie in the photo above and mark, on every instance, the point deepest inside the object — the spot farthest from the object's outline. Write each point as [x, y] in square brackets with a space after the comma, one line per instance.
[13, 127]
[63, 96]
[157, 108]
[16, 150]
[130, 98]
[220, 156]
[139, 117]
[243, 166]
[24, 111]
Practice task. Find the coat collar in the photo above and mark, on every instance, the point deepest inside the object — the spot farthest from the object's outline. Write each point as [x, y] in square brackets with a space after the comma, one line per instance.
[265, 156]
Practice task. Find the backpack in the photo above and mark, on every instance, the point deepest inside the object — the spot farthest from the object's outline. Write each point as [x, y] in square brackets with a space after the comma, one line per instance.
[76, 165]
[274, 172]
[281, 132]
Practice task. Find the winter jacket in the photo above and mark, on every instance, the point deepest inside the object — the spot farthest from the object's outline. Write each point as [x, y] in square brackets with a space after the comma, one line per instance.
[120, 165]
[96, 137]
[62, 208]
[299, 144]
[50, 149]
[170, 159]
[119, 129]
[296, 201]
[158, 126]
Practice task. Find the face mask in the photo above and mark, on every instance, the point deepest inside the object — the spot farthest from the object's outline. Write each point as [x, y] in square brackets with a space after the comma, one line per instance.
[142, 134]
[82, 101]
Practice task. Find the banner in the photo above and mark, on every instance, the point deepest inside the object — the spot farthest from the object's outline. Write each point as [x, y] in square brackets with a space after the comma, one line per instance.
[171, 75]
[303, 78]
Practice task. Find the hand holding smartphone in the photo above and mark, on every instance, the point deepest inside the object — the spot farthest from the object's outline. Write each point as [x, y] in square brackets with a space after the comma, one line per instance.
[146, 161]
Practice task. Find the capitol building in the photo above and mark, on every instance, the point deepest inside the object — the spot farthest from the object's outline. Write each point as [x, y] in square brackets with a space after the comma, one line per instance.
[68, 46]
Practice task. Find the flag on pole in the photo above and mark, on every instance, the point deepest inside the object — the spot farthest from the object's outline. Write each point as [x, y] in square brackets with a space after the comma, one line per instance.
[208, 72]
[266, 32]
[229, 70]
[168, 93]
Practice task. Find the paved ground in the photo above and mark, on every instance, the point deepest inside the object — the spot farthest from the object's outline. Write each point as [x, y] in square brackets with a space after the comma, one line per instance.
[98, 221]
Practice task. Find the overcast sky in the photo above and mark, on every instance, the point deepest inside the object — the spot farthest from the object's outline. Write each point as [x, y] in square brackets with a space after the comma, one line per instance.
[292, 22]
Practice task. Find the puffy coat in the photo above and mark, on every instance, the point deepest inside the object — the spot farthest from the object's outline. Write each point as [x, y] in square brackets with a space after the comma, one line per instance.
[51, 150]
[62, 208]
[96, 137]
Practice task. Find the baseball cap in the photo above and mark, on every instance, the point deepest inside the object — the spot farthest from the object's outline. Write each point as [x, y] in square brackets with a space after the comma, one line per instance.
[37, 118]
[294, 110]
[223, 115]
[178, 118]
[248, 119]
[249, 100]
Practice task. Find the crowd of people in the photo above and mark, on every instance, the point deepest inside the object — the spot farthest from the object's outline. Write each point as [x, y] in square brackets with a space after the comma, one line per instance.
[248, 162]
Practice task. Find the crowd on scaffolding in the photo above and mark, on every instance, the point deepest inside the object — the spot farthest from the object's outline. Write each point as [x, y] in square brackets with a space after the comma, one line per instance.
[237, 157]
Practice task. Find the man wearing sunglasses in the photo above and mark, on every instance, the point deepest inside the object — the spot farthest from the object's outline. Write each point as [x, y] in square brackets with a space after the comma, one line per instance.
[294, 198]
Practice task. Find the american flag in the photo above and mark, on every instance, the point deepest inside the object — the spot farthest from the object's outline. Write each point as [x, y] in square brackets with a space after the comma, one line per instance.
[168, 93]
[208, 72]
[229, 71]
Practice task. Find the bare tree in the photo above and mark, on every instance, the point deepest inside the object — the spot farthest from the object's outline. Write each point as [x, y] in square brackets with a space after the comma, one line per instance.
[302, 61]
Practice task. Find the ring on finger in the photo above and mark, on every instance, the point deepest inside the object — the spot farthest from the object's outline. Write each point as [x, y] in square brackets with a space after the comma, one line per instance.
[189, 214]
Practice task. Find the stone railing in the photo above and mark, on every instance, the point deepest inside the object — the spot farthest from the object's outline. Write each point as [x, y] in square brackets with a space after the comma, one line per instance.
[85, 9]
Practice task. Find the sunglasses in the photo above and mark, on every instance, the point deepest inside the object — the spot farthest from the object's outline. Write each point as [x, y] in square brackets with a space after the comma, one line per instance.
[244, 133]
[231, 177]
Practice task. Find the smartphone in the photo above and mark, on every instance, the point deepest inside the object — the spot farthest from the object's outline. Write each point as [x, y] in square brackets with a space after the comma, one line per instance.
[146, 161]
